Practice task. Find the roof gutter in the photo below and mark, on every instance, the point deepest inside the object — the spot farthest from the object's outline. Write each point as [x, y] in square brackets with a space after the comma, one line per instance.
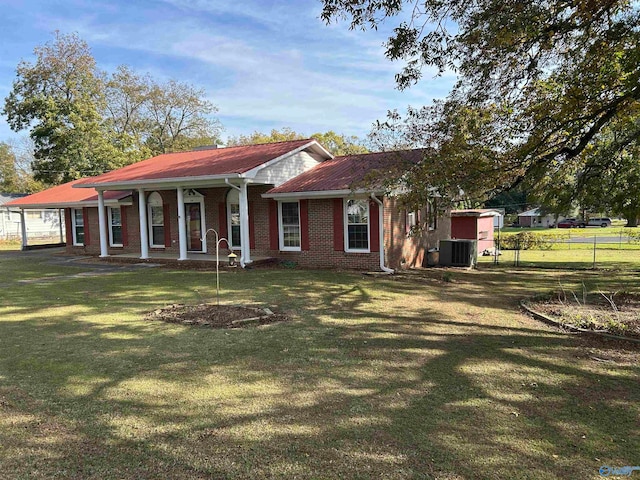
[381, 228]
[168, 182]
[55, 206]
[318, 194]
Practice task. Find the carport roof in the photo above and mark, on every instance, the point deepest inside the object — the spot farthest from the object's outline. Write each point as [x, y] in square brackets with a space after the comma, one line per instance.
[65, 196]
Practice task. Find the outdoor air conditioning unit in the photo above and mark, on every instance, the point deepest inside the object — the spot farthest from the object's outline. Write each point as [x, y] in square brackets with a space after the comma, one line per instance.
[458, 253]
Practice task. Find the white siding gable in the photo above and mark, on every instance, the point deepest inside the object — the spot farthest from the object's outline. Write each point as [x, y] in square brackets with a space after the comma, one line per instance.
[287, 168]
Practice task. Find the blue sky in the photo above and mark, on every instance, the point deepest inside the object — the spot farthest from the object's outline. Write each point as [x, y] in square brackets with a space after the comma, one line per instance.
[264, 63]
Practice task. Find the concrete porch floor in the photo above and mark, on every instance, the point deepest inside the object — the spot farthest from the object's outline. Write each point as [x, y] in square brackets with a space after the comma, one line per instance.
[197, 260]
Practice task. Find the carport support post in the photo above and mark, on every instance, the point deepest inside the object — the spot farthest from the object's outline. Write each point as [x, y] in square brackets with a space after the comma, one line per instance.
[182, 225]
[23, 226]
[102, 222]
[144, 232]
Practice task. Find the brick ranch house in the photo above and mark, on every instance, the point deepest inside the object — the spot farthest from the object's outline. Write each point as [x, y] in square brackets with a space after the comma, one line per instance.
[289, 200]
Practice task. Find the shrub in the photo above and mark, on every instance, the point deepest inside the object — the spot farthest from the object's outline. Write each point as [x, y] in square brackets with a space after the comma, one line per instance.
[525, 241]
[634, 235]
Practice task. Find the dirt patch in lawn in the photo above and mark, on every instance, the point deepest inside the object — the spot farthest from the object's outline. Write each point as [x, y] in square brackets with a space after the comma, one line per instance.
[215, 316]
[617, 313]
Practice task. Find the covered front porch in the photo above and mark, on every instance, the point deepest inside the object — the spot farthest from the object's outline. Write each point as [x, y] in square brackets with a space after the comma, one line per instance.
[197, 260]
[183, 224]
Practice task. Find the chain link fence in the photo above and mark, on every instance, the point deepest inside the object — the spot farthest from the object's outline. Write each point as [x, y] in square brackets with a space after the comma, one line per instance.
[580, 249]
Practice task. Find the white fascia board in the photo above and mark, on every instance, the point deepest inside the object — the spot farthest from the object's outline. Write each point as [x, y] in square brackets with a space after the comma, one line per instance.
[107, 203]
[159, 183]
[322, 150]
[254, 171]
[317, 194]
[493, 213]
[531, 213]
[475, 214]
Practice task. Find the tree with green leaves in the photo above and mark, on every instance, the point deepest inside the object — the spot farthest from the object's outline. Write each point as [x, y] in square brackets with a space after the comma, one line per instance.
[9, 181]
[513, 200]
[611, 177]
[334, 142]
[85, 122]
[538, 84]
[59, 99]
[15, 172]
[255, 138]
[179, 119]
[339, 144]
[150, 118]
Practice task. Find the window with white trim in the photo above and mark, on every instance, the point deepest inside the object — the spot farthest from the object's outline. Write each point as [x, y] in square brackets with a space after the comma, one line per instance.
[432, 215]
[233, 217]
[289, 222]
[357, 225]
[412, 222]
[155, 214]
[115, 226]
[77, 220]
[412, 219]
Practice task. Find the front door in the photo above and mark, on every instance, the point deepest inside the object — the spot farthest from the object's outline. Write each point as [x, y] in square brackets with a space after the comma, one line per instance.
[194, 227]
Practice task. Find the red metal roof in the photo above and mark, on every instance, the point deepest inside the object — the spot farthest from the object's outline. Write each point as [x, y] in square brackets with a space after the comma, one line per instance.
[65, 194]
[342, 173]
[220, 161]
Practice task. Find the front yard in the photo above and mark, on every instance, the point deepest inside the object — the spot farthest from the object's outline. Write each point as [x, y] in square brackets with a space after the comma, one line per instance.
[374, 377]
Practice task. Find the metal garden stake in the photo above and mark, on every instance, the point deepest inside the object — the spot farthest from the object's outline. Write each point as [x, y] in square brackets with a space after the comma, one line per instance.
[218, 241]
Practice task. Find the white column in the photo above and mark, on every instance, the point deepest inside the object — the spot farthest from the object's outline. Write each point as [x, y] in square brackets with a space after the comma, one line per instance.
[182, 225]
[102, 223]
[244, 225]
[23, 225]
[381, 232]
[144, 231]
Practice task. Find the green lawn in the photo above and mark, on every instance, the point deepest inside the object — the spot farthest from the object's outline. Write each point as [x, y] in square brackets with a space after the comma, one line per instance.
[10, 245]
[387, 377]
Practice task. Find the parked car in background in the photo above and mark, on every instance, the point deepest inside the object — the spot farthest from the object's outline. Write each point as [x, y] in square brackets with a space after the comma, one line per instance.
[599, 222]
[571, 223]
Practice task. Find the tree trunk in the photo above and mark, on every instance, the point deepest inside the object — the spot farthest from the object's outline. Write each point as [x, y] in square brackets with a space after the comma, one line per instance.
[631, 213]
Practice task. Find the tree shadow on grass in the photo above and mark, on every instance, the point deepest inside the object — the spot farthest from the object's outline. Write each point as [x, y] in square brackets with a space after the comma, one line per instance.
[347, 390]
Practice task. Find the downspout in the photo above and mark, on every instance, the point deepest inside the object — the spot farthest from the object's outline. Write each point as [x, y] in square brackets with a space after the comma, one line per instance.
[381, 233]
[226, 180]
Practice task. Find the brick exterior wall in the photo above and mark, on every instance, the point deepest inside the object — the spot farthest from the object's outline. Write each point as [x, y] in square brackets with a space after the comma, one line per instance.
[321, 253]
[404, 250]
[401, 250]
